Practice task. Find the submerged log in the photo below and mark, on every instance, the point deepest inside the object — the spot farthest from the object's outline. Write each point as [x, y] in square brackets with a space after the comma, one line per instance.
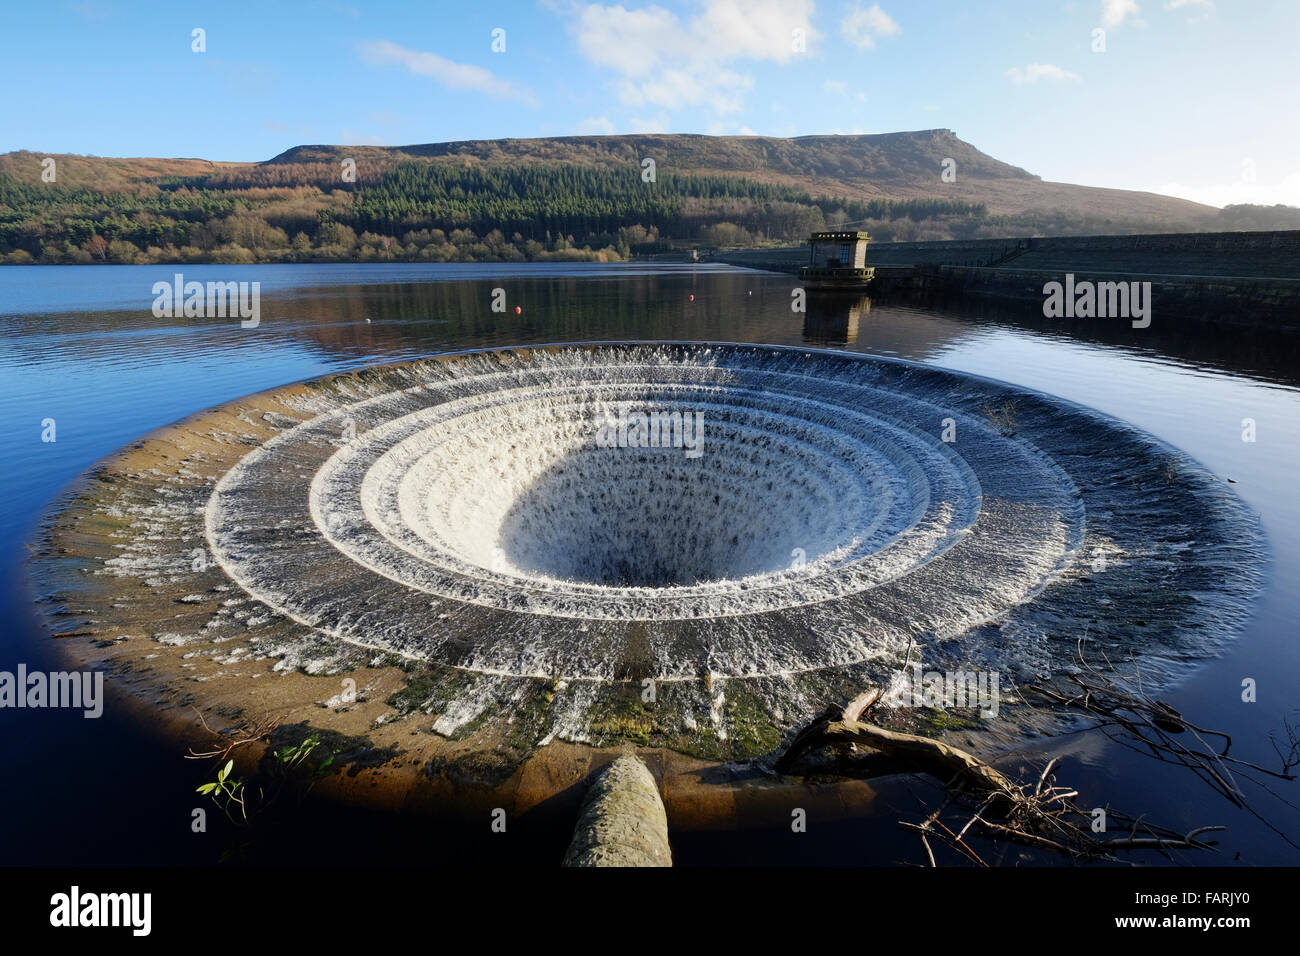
[622, 821]
[950, 765]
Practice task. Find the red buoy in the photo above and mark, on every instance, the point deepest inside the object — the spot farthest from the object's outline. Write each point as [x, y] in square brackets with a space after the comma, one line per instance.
[518, 310]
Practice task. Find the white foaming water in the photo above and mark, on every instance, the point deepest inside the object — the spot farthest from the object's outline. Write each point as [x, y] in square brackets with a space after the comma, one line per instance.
[475, 520]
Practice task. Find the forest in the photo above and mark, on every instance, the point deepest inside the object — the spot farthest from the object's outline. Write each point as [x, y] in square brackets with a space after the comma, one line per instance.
[423, 211]
[494, 202]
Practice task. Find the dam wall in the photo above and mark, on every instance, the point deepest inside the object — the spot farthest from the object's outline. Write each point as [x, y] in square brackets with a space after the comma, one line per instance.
[1243, 278]
[1254, 254]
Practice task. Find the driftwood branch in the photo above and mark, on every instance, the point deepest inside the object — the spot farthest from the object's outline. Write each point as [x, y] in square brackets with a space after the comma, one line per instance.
[948, 764]
[1039, 814]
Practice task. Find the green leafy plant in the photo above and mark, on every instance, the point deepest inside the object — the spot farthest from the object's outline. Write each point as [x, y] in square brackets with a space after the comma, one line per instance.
[291, 757]
[226, 791]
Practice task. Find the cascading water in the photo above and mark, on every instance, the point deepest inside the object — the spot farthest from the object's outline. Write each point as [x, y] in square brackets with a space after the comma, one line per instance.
[754, 530]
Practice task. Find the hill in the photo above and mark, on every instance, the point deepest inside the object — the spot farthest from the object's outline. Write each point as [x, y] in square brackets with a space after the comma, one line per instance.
[558, 198]
[862, 167]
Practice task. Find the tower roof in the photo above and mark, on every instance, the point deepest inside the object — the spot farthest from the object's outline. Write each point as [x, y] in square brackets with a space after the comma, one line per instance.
[840, 236]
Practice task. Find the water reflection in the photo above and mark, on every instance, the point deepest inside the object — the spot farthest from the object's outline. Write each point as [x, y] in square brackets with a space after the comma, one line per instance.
[833, 318]
[1260, 352]
[352, 322]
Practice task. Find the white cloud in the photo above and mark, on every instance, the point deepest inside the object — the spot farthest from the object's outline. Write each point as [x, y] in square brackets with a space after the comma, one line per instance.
[754, 29]
[665, 61]
[629, 41]
[863, 27]
[1041, 71]
[1225, 194]
[676, 87]
[1206, 8]
[457, 76]
[1114, 12]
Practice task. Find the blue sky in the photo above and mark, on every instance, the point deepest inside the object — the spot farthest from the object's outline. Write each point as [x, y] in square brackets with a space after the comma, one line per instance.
[1190, 97]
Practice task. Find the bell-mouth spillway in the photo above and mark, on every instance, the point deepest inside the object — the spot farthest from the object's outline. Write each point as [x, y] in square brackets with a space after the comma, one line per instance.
[521, 539]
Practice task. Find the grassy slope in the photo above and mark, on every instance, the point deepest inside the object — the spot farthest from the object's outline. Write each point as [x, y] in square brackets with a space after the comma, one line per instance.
[104, 173]
[891, 165]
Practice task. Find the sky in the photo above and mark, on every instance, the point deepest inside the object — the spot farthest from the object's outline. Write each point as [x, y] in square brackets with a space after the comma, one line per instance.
[1193, 98]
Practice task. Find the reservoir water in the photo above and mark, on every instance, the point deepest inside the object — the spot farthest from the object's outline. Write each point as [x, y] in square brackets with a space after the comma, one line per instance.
[83, 348]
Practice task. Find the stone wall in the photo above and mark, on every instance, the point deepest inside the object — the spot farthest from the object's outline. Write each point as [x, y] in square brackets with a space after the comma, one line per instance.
[1253, 254]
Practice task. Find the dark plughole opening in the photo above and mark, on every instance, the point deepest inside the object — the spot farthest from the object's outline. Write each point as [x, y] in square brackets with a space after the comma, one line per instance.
[653, 518]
